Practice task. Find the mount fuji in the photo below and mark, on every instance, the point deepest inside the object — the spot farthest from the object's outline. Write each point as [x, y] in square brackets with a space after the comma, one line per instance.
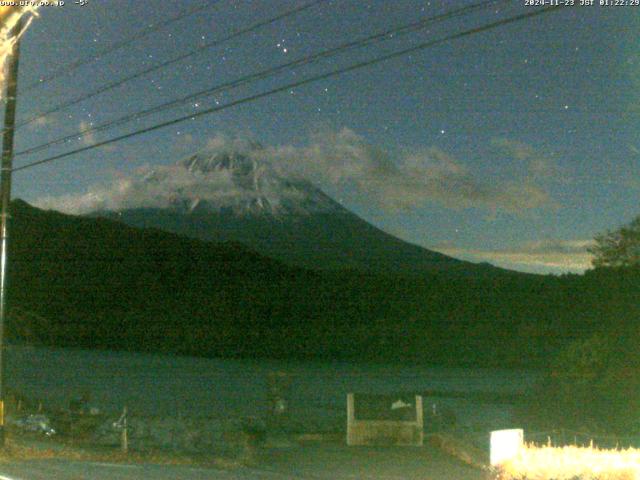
[235, 194]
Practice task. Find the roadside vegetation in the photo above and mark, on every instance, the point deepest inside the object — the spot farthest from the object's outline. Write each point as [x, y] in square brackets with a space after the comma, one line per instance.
[571, 463]
[593, 382]
[98, 284]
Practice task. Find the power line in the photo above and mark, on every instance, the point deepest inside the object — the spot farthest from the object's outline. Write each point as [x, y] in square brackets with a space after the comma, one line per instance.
[323, 76]
[65, 70]
[295, 85]
[381, 36]
[117, 83]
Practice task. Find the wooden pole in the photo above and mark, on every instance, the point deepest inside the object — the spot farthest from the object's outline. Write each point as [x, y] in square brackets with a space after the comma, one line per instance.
[125, 434]
[6, 166]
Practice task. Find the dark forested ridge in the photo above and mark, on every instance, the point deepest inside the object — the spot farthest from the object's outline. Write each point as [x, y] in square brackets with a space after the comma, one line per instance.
[323, 241]
[96, 283]
[280, 217]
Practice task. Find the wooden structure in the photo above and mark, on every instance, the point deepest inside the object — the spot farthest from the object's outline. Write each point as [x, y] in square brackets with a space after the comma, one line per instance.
[384, 420]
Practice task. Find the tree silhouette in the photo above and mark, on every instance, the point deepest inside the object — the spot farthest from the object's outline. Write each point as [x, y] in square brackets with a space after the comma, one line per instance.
[618, 248]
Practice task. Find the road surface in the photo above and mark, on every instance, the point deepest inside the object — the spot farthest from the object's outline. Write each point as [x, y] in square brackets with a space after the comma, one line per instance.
[316, 462]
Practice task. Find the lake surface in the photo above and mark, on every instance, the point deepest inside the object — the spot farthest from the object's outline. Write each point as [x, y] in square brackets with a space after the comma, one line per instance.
[164, 385]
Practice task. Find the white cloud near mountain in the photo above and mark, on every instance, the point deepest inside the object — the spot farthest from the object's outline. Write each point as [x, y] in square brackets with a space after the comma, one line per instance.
[159, 187]
[412, 181]
[551, 255]
[339, 158]
[537, 165]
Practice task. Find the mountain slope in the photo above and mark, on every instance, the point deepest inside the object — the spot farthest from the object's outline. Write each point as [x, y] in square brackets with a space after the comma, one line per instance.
[284, 218]
[95, 283]
[100, 283]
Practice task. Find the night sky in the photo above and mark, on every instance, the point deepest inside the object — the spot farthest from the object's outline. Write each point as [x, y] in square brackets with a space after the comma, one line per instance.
[514, 146]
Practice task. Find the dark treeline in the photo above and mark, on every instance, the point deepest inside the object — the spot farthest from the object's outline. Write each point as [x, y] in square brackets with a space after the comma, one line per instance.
[95, 283]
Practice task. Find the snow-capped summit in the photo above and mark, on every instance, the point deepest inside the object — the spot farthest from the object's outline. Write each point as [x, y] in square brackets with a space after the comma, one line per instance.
[231, 191]
[236, 179]
[240, 157]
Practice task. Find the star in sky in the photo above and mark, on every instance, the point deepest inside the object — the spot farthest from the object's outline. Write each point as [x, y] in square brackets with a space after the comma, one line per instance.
[535, 85]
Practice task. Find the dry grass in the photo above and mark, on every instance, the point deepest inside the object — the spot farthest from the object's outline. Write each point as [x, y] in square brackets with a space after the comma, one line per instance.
[237, 449]
[459, 449]
[17, 449]
[571, 463]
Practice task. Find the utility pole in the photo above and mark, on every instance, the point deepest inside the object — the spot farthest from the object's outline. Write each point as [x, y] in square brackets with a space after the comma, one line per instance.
[11, 93]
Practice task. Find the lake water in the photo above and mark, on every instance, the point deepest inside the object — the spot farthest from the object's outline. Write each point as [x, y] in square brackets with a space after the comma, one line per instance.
[165, 385]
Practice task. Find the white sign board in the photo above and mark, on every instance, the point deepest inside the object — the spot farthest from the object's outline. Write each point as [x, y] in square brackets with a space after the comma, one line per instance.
[505, 444]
